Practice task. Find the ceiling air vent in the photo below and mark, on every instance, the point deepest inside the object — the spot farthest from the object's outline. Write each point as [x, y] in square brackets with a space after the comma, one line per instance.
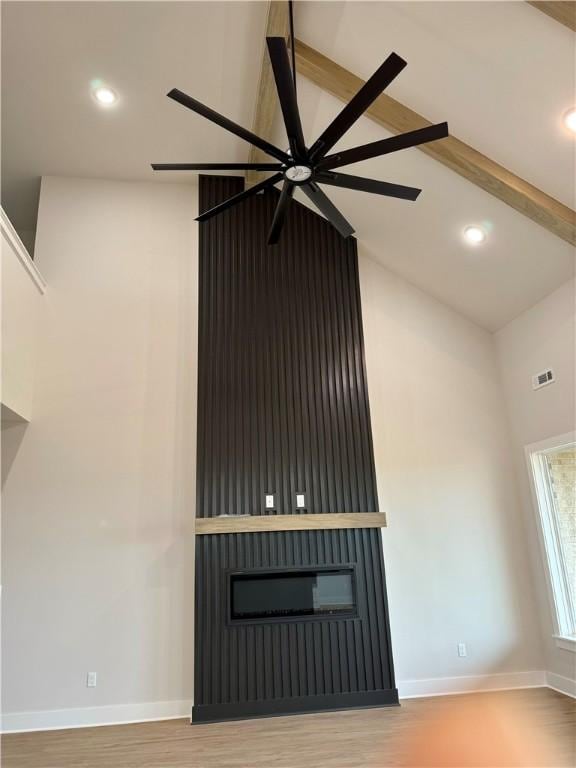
[543, 378]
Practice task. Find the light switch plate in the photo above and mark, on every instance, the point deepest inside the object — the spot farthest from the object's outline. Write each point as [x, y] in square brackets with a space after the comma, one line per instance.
[269, 501]
[300, 501]
[91, 680]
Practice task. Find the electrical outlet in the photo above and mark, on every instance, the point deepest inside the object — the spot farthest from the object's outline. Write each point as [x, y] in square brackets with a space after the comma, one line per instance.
[91, 680]
[462, 650]
[300, 501]
[269, 501]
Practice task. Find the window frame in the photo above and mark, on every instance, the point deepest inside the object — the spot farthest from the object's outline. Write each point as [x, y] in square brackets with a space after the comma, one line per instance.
[563, 612]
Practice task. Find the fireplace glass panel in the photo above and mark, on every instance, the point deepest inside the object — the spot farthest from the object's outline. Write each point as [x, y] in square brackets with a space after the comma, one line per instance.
[292, 594]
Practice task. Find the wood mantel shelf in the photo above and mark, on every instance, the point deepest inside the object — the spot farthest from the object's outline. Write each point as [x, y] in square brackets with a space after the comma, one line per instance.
[305, 522]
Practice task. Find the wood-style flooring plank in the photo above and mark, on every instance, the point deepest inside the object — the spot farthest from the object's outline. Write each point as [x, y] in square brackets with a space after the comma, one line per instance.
[370, 738]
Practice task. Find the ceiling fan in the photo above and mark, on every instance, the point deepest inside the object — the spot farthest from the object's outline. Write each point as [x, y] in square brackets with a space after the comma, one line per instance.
[308, 168]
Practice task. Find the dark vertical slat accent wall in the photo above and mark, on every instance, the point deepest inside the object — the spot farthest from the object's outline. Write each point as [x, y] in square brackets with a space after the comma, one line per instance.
[254, 669]
[282, 396]
[283, 408]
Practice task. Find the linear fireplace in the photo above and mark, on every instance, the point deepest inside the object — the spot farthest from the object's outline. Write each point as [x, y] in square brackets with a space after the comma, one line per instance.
[294, 594]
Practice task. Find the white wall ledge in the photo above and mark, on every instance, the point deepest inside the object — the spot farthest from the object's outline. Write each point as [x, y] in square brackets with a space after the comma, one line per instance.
[19, 249]
[566, 643]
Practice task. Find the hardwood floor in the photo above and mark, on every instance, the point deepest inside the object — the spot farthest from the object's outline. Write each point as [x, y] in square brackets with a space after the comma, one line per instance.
[543, 720]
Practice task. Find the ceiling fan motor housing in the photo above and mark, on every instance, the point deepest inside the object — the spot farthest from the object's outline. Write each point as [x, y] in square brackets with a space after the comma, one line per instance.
[298, 174]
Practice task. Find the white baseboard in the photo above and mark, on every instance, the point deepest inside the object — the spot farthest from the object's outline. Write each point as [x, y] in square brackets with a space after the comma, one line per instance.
[446, 686]
[561, 684]
[60, 719]
[87, 717]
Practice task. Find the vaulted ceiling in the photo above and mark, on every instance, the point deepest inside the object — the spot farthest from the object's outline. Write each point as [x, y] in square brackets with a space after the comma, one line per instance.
[500, 73]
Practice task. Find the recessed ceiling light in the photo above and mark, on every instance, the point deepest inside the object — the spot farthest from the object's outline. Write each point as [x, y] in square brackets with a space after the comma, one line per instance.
[570, 120]
[475, 234]
[105, 96]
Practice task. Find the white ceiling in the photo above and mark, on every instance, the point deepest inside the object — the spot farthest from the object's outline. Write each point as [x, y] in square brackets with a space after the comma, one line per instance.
[52, 51]
[500, 73]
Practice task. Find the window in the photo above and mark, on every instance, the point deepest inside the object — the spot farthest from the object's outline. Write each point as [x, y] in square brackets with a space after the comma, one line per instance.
[553, 470]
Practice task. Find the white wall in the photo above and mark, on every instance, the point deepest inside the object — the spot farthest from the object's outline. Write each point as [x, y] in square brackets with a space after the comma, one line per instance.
[99, 495]
[22, 307]
[542, 337]
[454, 556]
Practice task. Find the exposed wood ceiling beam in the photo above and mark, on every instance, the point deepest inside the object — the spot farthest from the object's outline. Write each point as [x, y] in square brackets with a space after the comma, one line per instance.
[460, 157]
[278, 25]
[563, 11]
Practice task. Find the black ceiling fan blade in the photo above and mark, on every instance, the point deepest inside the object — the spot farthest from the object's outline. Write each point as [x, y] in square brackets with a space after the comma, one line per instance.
[367, 185]
[287, 95]
[229, 125]
[239, 197]
[327, 208]
[370, 91]
[216, 166]
[280, 213]
[385, 146]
